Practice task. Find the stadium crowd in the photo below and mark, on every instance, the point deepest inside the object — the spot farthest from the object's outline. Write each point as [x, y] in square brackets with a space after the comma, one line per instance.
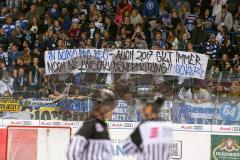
[28, 28]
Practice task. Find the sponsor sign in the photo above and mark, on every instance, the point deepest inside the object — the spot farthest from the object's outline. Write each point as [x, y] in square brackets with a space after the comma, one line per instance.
[9, 104]
[225, 147]
[176, 150]
[226, 128]
[122, 125]
[192, 127]
[14, 122]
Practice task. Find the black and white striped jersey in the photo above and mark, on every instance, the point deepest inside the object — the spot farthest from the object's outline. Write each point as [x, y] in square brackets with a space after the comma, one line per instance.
[91, 142]
[150, 141]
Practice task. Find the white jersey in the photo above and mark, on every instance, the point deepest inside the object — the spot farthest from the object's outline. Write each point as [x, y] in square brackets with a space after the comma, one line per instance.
[150, 141]
[218, 6]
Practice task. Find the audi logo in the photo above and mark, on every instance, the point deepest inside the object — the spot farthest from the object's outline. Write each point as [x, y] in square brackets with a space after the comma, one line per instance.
[198, 127]
[236, 128]
[26, 123]
[128, 125]
[57, 123]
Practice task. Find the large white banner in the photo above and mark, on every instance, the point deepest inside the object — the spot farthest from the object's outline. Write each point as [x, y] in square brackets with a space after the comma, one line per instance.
[133, 61]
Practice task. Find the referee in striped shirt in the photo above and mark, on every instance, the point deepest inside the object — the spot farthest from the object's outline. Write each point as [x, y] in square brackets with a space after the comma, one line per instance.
[92, 141]
[151, 140]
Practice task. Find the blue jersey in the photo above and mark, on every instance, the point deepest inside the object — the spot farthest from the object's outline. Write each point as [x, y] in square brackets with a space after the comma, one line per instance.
[8, 29]
[22, 24]
[191, 22]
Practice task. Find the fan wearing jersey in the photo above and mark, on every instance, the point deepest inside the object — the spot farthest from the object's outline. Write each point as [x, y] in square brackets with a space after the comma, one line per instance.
[151, 139]
[92, 141]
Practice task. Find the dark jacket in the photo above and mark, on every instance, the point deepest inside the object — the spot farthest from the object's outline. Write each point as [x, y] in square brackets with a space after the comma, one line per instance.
[198, 36]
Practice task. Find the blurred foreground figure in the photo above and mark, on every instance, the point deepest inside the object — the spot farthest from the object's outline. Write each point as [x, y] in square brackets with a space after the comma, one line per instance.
[92, 141]
[151, 140]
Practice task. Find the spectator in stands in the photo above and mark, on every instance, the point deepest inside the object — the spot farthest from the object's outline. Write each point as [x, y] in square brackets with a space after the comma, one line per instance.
[212, 47]
[50, 41]
[185, 11]
[236, 73]
[26, 57]
[201, 95]
[65, 19]
[208, 21]
[35, 75]
[180, 30]
[139, 43]
[190, 47]
[60, 45]
[139, 33]
[235, 88]
[159, 28]
[2, 68]
[139, 6]
[236, 29]
[75, 32]
[19, 64]
[123, 6]
[224, 18]
[3, 55]
[185, 93]
[136, 18]
[22, 22]
[92, 30]
[32, 13]
[151, 8]
[57, 27]
[217, 5]
[190, 21]
[54, 11]
[6, 83]
[37, 52]
[175, 19]
[236, 60]
[183, 42]
[216, 76]
[227, 73]
[223, 39]
[83, 40]
[111, 27]
[97, 41]
[21, 81]
[89, 44]
[9, 27]
[198, 35]
[159, 42]
[127, 43]
[166, 17]
[129, 26]
[172, 40]
[13, 55]
[34, 25]
[109, 9]
[107, 37]
[41, 6]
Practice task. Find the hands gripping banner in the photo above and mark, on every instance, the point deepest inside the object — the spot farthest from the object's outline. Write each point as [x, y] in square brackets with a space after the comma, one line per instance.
[133, 61]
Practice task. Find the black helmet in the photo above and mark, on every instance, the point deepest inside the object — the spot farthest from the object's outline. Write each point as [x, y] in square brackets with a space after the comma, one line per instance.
[102, 96]
[156, 101]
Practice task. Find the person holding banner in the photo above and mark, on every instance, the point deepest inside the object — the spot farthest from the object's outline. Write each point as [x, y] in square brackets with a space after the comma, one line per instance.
[151, 139]
[92, 141]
